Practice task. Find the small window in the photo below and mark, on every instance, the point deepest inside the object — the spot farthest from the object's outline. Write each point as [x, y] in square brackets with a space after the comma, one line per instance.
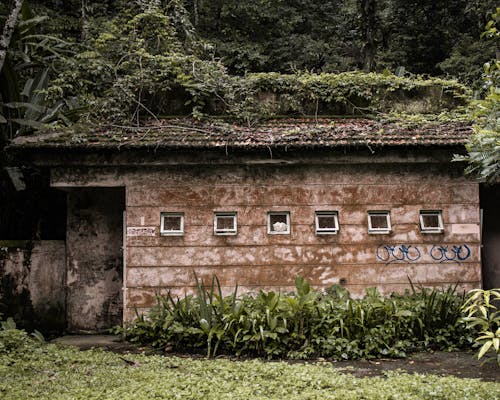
[327, 222]
[379, 222]
[431, 222]
[225, 223]
[172, 224]
[278, 223]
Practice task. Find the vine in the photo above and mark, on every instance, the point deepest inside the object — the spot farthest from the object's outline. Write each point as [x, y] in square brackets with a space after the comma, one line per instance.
[264, 95]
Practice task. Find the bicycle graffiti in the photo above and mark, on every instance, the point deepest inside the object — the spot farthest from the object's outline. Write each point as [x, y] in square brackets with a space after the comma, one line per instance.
[402, 253]
[455, 254]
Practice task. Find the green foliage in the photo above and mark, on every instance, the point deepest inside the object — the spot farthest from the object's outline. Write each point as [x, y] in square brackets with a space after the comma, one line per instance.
[349, 93]
[333, 36]
[303, 324]
[32, 58]
[53, 372]
[483, 149]
[466, 60]
[282, 36]
[140, 63]
[15, 342]
[118, 61]
[122, 62]
[481, 309]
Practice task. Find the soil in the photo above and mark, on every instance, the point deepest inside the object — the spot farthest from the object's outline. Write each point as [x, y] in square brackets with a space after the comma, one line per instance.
[461, 364]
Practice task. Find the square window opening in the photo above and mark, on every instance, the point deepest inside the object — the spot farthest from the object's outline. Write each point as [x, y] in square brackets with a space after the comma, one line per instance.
[172, 224]
[379, 222]
[225, 223]
[278, 223]
[327, 222]
[431, 222]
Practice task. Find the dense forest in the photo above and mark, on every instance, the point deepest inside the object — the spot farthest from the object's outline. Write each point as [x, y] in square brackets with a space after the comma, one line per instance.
[123, 61]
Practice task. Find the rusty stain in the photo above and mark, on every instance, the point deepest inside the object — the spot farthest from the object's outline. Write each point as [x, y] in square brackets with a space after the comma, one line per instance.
[253, 259]
[94, 259]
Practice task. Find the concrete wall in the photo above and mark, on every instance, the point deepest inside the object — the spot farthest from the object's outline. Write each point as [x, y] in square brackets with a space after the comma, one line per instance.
[94, 258]
[254, 259]
[32, 276]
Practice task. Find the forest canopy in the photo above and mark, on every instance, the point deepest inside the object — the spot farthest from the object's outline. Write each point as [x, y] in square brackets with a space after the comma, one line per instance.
[124, 61]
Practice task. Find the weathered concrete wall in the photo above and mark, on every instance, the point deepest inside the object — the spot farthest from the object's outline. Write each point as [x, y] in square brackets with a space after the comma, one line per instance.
[94, 258]
[253, 259]
[32, 279]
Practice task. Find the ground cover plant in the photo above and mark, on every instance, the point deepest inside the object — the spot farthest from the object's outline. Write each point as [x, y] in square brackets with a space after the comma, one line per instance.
[304, 324]
[33, 370]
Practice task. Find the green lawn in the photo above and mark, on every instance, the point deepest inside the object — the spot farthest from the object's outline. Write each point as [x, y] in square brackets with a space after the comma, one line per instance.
[56, 372]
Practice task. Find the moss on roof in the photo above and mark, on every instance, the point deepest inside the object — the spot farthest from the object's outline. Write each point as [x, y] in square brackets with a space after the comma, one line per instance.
[278, 133]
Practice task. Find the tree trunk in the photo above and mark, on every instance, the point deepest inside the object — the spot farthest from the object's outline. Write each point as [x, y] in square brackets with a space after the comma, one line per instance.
[195, 12]
[8, 29]
[83, 33]
[369, 21]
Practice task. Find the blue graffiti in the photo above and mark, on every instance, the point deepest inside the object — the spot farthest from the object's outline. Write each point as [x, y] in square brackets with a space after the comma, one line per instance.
[402, 253]
[456, 254]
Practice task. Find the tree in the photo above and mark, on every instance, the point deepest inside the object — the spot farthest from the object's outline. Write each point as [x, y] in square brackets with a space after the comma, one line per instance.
[8, 29]
[31, 59]
[369, 22]
[484, 146]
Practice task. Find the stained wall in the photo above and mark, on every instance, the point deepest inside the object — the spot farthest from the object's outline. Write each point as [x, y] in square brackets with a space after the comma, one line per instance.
[32, 278]
[254, 259]
[94, 258]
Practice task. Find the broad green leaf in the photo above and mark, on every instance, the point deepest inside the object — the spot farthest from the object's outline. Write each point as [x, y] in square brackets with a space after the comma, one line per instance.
[484, 349]
[29, 122]
[31, 106]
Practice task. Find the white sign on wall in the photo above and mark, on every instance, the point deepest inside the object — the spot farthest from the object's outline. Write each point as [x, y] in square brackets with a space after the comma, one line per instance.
[141, 231]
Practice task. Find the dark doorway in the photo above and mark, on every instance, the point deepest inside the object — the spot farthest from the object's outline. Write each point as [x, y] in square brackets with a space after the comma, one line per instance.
[490, 254]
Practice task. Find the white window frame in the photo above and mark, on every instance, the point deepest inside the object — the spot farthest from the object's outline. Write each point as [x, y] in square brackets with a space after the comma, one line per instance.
[432, 229]
[225, 232]
[270, 231]
[326, 231]
[381, 231]
[164, 232]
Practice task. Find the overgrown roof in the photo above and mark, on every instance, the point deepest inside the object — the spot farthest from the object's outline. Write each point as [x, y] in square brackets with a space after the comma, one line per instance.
[279, 133]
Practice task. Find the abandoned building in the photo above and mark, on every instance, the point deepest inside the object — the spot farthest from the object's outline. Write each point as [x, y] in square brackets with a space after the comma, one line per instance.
[349, 202]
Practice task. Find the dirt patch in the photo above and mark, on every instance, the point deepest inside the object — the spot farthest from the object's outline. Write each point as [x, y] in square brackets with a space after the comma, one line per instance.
[107, 342]
[459, 363]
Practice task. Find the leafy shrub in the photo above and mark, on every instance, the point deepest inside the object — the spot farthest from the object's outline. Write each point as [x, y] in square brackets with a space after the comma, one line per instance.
[304, 324]
[481, 309]
[14, 340]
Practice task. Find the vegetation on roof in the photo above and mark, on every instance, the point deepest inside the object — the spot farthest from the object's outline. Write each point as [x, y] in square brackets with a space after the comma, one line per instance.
[283, 133]
[123, 62]
[147, 60]
[266, 95]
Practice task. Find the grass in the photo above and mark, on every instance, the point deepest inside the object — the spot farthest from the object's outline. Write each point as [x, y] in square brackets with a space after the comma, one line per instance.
[58, 372]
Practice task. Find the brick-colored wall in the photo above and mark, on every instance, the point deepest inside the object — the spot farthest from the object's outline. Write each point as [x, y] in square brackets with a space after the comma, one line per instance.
[254, 259]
